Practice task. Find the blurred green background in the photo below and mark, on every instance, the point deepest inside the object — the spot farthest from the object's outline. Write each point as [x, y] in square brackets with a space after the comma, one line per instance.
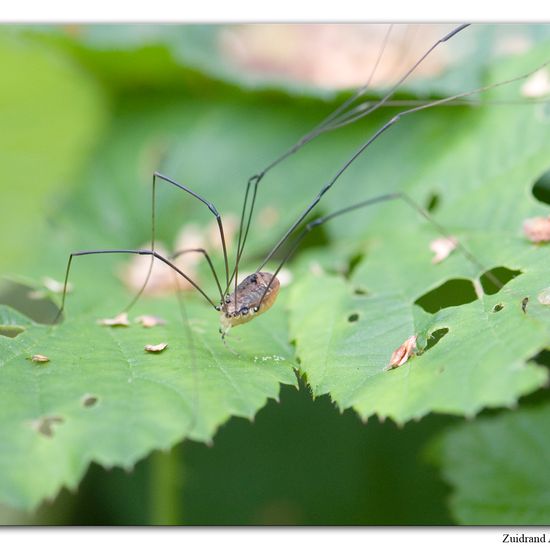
[88, 112]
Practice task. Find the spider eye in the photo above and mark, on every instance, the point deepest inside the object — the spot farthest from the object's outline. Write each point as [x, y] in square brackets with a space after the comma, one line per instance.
[244, 311]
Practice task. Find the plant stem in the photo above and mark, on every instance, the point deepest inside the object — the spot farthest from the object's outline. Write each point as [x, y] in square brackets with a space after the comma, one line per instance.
[166, 482]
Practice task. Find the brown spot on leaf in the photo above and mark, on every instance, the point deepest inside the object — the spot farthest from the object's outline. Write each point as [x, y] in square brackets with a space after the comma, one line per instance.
[45, 425]
[89, 400]
[156, 348]
[537, 230]
[121, 320]
[401, 355]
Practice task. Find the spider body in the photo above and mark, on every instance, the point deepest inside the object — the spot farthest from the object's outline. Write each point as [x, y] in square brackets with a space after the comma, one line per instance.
[250, 301]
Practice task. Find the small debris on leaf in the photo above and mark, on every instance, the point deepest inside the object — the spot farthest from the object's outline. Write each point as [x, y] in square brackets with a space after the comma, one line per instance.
[442, 247]
[156, 348]
[544, 297]
[524, 303]
[45, 424]
[148, 321]
[537, 85]
[401, 355]
[37, 358]
[121, 320]
[537, 230]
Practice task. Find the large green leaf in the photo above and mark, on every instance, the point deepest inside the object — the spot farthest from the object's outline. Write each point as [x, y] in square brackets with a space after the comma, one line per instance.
[497, 469]
[102, 398]
[483, 175]
[214, 146]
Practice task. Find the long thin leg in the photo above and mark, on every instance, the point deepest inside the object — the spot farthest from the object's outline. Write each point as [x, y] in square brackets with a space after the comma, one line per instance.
[355, 114]
[209, 205]
[370, 202]
[375, 136]
[178, 253]
[361, 92]
[126, 251]
[326, 125]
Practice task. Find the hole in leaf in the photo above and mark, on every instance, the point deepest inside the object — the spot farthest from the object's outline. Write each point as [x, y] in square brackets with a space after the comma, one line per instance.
[498, 307]
[434, 338]
[19, 297]
[542, 357]
[501, 274]
[45, 425]
[355, 260]
[433, 202]
[454, 292]
[360, 291]
[541, 189]
[89, 400]
[353, 317]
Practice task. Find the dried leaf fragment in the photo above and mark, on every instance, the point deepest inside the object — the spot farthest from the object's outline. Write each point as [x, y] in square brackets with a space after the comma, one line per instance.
[121, 320]
[442, 247]
[156, 348]
[537, 230]
[401, 355]
[148, 321]
[37, 358]
[537, 85]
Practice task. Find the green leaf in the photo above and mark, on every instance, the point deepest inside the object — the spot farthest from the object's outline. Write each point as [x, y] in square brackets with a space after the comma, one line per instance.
[498, 468]
[51, 114]
[189, 390]
[102, 398]
[483, 174]
[157, 56]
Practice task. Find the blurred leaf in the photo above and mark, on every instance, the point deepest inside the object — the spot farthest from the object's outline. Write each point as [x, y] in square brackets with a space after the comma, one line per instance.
[51, 114]
[129, 57]
[498, 469]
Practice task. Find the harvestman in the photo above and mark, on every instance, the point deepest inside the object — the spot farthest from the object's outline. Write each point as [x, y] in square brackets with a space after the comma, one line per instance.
[258, 292]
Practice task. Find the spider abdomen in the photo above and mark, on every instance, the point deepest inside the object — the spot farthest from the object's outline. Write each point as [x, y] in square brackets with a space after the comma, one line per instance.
[252, 299]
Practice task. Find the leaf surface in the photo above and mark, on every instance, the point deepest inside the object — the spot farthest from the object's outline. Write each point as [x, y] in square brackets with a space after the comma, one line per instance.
[482, 176]
[497, 469]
